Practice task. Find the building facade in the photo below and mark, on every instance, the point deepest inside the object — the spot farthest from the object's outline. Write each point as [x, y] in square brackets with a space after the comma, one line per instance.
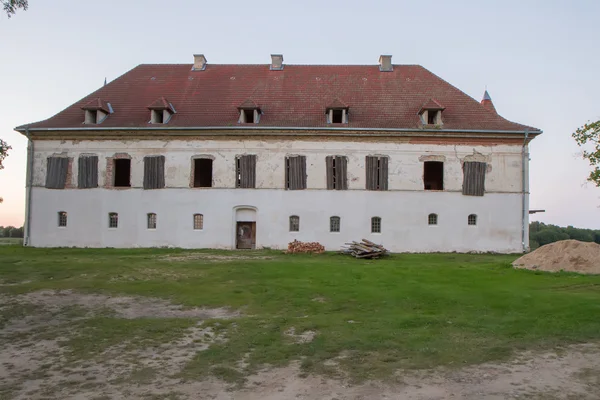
[253, 156]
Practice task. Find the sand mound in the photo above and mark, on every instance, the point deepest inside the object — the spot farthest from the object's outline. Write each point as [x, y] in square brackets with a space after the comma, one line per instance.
[566, 255]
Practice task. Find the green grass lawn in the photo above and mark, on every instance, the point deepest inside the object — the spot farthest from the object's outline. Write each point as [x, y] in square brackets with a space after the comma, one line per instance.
[405, 311]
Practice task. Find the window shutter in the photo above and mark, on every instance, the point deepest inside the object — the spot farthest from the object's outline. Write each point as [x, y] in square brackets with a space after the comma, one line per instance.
[302, 182]
[88, 172]
[56, 172]
[371, 170]
[247, 171]
[383, 173]
[154, 172]
[251, 171]
[474, 178]
[341, 172]
[329, 169]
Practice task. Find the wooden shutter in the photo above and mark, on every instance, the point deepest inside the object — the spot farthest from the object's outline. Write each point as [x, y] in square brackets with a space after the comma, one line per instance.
[247, 171]
[88, 172]
[474, 178]
[383, 173]
[56, 172]
[329, 169]
[341, 173]
[302, 181]
[370, 167]
[296, 172]
[154, 172]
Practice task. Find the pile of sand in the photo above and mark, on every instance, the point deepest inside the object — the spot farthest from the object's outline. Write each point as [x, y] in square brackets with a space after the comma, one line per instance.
[565, 255]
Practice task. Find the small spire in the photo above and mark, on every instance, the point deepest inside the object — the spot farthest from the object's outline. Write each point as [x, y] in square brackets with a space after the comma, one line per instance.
[487, 102]
[105, 82]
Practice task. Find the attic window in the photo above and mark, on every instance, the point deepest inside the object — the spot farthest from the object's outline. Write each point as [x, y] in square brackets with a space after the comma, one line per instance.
[431, 113]
[249, 112]
[161, 111]
[337, 112]
[432, 117]
[157, 117]
[96, 111]
[248, 116]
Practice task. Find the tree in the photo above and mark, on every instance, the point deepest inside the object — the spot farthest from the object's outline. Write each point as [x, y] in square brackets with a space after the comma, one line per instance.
[4, 148]
[11, 6]
[589, 135]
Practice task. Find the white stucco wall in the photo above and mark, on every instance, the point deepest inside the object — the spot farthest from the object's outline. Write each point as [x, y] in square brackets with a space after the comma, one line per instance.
[403, 209]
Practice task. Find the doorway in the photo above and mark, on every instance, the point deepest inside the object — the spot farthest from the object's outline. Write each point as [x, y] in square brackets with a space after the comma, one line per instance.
[245, 235]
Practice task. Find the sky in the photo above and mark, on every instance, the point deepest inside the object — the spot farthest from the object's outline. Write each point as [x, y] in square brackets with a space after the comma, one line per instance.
[538, 60]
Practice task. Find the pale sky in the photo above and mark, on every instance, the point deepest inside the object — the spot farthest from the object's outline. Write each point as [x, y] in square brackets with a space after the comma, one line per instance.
[538, 59]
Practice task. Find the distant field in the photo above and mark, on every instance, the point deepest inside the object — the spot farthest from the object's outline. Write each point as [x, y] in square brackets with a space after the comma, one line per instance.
[11, 241]
[334, 314]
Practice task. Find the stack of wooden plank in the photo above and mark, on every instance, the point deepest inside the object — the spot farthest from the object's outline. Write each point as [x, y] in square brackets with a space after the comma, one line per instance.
[364, 249]
[305, 247]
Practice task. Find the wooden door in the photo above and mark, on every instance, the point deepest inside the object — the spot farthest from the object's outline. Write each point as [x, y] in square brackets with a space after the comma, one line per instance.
[245, 235]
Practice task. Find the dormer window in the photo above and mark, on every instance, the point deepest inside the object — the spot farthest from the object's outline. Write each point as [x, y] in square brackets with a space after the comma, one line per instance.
[337, 112]
[431, 113]
[96, 111]
[249, 112]
[161, 111]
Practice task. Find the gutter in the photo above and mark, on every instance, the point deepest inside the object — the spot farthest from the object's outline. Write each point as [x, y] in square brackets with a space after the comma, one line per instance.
[29, 185]
[525, 212]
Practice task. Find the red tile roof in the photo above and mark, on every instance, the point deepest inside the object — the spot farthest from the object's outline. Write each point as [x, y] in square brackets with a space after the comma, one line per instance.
[296, 96]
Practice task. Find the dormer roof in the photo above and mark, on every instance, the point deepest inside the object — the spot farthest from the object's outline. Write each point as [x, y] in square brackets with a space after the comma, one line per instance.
[248, 104]
[337, 104]
[161, 104]
[431, 104]
[97, 104]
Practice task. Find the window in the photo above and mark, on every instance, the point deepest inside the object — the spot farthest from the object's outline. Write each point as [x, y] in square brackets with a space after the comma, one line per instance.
[157, 117]
[154, 172]
[203, 169]
[474, 178]
[91, 116]
[337, 116]
[336, 167]
[376, 225]
[198, 221]
[294, 223]
[295, 172]
[334, 224]
[472, 219]
[377, 172]
[87, 176]
[113, 220]
[247, 116]
[151, 219]
[62, 218]
[432, 219]
[433, 175]
[122, 172]
[432, 117]
[245, 171]
[56, 172]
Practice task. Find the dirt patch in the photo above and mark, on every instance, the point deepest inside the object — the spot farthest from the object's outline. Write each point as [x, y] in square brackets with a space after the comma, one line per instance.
[565, 255]
[303, 337]
[124, 307]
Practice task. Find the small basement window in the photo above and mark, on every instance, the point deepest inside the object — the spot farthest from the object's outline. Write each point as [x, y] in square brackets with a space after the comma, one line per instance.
[472, 219]
[376, 225]
[294, 223]
[122, 172]
[433, 175]
[62, 219]
[203, 169]
[432, 219]
[198, 222]
[113, 220]
[151, 221]
[334, 224]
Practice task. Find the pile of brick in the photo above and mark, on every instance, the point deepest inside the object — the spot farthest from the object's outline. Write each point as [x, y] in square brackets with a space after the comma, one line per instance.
[305, 247]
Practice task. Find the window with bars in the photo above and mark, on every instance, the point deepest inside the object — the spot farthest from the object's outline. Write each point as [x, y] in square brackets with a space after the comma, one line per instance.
[294, 223]
[151, 218]
[198, 221]
[376, 225]
[62, 218]
[337, 172]
[472, 219]
[377, 172]
[432, 219]
[154, 172]
[113, 220]
[334, 224]
[295, 172]
[245, 171]
[56, 172]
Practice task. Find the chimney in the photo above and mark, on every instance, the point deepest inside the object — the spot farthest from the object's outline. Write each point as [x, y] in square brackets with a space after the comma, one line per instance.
[385, 63]
[199, 62]
[487, 102]
[276, 62]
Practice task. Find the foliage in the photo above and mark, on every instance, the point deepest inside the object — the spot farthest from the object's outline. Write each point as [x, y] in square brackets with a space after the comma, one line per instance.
[11, 232]
[541, 234]
[589, 134]
[4, 148]
[372, 317]
[11, 6]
